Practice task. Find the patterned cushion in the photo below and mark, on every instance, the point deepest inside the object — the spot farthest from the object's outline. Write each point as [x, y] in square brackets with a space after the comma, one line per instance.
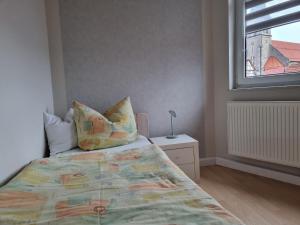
[115, 127]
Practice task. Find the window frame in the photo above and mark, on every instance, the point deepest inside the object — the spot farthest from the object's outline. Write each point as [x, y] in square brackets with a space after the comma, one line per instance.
[237, 55]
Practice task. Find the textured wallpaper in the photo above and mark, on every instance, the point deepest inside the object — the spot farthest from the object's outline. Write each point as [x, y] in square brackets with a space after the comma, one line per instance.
[149, 50]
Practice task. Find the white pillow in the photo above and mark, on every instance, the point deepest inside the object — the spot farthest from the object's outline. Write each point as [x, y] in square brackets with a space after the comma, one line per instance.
[61, 134]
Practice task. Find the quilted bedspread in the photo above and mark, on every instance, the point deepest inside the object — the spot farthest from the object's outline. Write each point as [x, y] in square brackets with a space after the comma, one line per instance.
[136, 186]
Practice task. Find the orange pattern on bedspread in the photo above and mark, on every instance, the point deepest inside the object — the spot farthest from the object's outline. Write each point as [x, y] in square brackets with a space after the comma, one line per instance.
[108, 187]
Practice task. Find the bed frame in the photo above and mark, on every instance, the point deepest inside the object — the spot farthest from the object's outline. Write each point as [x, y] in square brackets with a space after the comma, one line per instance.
[142, 122]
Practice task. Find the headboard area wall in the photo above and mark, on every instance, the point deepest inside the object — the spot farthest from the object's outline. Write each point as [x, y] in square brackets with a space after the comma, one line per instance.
[25, 83]
[148, 50]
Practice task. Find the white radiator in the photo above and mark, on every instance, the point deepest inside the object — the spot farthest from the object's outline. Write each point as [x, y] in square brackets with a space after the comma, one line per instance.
[267, 131]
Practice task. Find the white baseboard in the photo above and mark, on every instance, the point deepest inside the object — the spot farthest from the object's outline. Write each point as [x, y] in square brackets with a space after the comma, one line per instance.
[209, 161]
[280, 176]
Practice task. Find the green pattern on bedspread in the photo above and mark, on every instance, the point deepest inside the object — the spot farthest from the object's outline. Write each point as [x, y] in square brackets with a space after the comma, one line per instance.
[136, 186]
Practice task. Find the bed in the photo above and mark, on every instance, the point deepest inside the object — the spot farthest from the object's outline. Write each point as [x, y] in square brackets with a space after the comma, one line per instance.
[132, 184]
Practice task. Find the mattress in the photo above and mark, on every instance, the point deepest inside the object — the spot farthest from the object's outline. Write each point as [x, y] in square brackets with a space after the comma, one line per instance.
[139, 142]
[138, 186]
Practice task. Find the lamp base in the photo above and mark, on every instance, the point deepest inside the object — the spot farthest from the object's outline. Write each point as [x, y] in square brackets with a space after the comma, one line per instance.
[171, 136]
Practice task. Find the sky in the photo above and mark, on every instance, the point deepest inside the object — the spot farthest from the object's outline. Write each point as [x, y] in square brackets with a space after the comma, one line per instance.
[289, 32]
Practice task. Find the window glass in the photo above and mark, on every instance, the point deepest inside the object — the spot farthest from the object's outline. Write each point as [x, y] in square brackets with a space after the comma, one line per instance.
[275, 50]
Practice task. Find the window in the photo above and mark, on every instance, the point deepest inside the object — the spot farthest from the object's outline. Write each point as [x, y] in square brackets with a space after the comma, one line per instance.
[266, 43]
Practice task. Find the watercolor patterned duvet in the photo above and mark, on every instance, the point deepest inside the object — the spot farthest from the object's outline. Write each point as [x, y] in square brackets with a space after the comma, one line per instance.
[137, 186]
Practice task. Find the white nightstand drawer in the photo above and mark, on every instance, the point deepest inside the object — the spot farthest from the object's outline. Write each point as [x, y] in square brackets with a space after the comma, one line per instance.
[181, 155]
[189, 170]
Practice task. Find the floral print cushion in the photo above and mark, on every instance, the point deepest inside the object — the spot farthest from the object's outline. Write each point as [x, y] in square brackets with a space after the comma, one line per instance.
[115, 127]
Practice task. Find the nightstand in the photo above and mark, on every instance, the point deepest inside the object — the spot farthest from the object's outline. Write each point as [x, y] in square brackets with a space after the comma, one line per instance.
[183, 151]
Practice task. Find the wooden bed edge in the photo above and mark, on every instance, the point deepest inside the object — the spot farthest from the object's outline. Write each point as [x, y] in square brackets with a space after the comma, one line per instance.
[142, 122]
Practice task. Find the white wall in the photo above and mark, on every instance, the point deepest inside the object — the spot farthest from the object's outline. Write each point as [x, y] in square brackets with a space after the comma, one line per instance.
[25, 83]
[56, 57]
[222, 94]
[208, 87]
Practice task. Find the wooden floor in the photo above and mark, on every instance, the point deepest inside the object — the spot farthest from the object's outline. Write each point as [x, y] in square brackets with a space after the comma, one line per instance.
[255, 200]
